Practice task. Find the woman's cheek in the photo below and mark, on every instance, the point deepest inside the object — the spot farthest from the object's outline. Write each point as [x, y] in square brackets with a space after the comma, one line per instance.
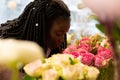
[57, 41]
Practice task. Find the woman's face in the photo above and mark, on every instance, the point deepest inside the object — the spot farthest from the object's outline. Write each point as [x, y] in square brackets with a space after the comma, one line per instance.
[58, 31]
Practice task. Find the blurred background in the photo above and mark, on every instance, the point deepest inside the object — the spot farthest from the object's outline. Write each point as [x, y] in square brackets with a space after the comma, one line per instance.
[81, 22]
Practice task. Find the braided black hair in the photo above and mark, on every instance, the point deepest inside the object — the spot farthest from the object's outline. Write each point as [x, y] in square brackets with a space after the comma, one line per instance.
[33, 23]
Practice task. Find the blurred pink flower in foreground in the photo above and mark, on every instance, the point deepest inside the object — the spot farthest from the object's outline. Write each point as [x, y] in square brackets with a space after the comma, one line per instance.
[104, 8]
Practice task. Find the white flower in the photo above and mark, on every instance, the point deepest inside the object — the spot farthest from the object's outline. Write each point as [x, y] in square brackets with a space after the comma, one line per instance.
[92, 73]
[61, 65]
[34, 68]
[60, 59]
[50, 74]
[17, 51]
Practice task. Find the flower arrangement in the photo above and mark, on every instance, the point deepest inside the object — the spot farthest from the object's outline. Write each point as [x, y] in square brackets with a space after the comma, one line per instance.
[93, 51]
[60, 67]
[85, 59]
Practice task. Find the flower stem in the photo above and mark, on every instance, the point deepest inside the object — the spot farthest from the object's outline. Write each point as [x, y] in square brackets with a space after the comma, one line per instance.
[109, 25]
[15, 74]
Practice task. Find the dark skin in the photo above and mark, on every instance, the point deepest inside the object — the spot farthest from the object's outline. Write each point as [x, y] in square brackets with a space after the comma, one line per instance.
[57, 32]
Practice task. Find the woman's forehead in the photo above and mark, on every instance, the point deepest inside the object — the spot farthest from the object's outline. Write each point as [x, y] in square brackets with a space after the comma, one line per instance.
[61, 23]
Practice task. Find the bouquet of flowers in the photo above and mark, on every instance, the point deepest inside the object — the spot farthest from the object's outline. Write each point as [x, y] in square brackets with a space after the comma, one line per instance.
[60, 67]
[81, 61]
[93, 51]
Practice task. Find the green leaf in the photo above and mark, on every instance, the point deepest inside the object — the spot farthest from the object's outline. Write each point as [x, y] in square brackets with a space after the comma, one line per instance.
[61, 78]
[107, 73]
[116, 33]
[71, 61]
[117, 23]
[27, 77]
[101, 27]
[39, 78]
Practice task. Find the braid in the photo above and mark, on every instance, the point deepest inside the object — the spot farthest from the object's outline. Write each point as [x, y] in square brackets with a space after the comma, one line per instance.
[25, 27]
[32, 24]
[14, 28]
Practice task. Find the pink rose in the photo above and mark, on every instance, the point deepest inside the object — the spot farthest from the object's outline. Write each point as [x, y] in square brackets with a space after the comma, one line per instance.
[84, 46]
[75, 54]
[85, 40]
[70, 49]
[87, 58]
[101, 61]
[82, 51]
[106, 53]
[98, 61]
[67, 51]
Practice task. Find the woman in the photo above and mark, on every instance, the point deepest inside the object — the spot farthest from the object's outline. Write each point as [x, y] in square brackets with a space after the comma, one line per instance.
[43, 21]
